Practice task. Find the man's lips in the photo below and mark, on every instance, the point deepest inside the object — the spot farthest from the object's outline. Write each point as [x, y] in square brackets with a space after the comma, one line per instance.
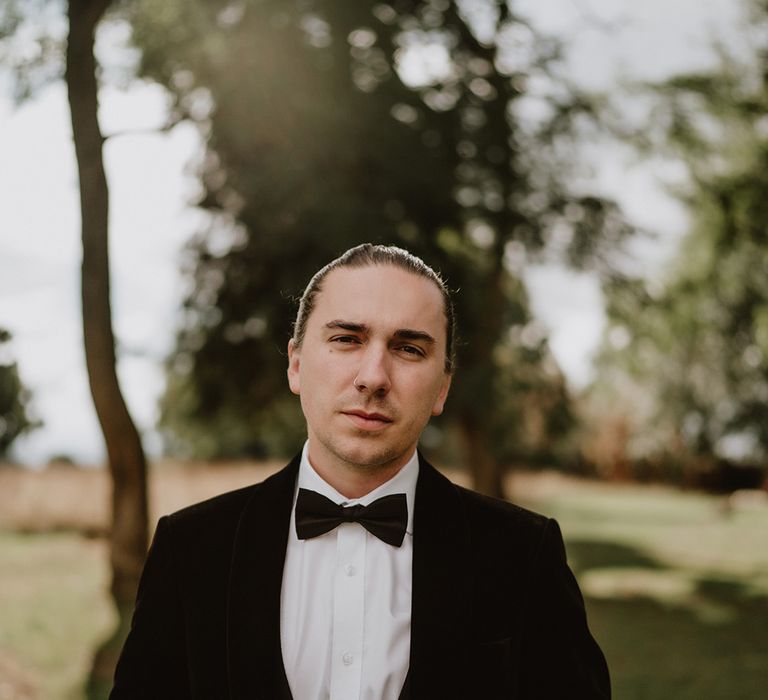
[368, 421]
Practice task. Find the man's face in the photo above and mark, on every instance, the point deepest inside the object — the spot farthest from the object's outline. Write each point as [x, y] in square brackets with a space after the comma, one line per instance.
[371, 368]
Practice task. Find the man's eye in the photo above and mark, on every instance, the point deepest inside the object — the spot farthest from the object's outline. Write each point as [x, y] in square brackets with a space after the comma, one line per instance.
[412, 350]
[347, 339]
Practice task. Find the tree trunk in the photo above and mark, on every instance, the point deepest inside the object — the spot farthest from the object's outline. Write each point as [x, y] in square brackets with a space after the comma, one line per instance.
[474, 418]
[485, 470]
[127, 464]
[476, 433]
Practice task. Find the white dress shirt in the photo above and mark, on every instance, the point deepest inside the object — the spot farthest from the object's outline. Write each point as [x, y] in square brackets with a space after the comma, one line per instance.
[345, 607]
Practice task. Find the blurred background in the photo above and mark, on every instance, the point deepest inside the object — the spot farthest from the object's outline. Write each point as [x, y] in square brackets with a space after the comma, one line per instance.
[591, 178]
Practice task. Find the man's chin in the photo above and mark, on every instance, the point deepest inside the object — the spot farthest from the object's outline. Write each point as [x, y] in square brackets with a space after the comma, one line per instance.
[370, 457]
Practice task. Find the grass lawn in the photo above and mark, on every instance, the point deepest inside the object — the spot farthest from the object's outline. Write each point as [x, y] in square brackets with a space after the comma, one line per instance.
[53, 613]
[676, 587]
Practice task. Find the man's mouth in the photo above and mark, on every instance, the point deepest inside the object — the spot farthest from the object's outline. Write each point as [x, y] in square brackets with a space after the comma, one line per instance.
[368, 421]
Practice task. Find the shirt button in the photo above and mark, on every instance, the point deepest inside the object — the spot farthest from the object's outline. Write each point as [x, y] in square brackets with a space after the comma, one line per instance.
[347, 658]
[350, 570]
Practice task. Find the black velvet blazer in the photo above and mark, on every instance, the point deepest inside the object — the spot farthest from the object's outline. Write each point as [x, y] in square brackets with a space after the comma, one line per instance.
[496, 612]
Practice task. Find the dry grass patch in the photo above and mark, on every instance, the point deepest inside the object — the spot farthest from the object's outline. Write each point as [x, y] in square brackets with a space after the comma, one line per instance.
[65, 498]
[68, 498]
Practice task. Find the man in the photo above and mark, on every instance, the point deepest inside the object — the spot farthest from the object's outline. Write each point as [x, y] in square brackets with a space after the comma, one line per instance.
[358, 571]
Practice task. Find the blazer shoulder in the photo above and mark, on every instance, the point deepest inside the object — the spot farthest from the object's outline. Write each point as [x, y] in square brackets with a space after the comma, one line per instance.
[495, 518]
[496, 525]
[225, 509]
[214, 506]
[496, 510]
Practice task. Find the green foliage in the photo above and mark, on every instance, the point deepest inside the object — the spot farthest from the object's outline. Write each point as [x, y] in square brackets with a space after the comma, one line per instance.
[321, 135]
[32, 43]
[696, 343]
[14, 419]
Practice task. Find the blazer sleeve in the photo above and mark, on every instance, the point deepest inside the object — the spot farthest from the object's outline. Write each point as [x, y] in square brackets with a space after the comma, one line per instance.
[153, 660]
[561, 659]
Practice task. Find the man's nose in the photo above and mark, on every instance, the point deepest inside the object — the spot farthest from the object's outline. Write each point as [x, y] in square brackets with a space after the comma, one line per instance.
[373, 375]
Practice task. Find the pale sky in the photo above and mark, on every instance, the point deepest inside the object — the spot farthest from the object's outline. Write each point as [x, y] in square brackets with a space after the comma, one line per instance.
[150, 218]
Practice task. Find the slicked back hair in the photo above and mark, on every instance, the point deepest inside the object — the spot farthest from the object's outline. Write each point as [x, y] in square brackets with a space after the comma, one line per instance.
[366, 255]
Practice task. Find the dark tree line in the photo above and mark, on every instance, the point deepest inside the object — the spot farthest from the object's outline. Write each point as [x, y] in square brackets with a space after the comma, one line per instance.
[321, 135]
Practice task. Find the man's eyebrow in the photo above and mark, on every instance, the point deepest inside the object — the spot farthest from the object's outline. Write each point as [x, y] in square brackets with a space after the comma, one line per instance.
[347, 326]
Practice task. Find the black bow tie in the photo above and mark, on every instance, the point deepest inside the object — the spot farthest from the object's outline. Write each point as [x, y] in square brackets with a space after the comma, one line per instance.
[386, 517]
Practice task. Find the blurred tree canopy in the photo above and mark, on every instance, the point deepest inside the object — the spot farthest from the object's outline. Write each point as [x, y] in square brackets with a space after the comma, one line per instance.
[14, 399]
[440, 126]
[687, 355]
[32, 39]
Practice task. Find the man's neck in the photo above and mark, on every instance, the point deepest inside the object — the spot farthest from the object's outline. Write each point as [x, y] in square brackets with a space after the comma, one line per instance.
[354, 481]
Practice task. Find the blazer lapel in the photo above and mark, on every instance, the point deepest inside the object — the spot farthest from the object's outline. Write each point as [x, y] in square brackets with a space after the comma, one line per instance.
[441, 594]
[253, 612]
[442, 590]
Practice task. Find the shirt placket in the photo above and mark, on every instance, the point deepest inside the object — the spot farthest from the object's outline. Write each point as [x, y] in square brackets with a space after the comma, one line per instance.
[348, 612]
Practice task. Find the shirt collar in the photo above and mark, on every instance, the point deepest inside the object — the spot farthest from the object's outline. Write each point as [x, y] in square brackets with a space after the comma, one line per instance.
[402, 482]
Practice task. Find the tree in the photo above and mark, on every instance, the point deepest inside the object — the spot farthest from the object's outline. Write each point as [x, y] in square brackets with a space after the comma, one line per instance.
[320, 136]
[14, 398]
[127, 464]
[696, 341]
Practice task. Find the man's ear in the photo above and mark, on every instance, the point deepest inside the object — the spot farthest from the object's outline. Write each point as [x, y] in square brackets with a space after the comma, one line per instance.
[294, 381]
[437, 407]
